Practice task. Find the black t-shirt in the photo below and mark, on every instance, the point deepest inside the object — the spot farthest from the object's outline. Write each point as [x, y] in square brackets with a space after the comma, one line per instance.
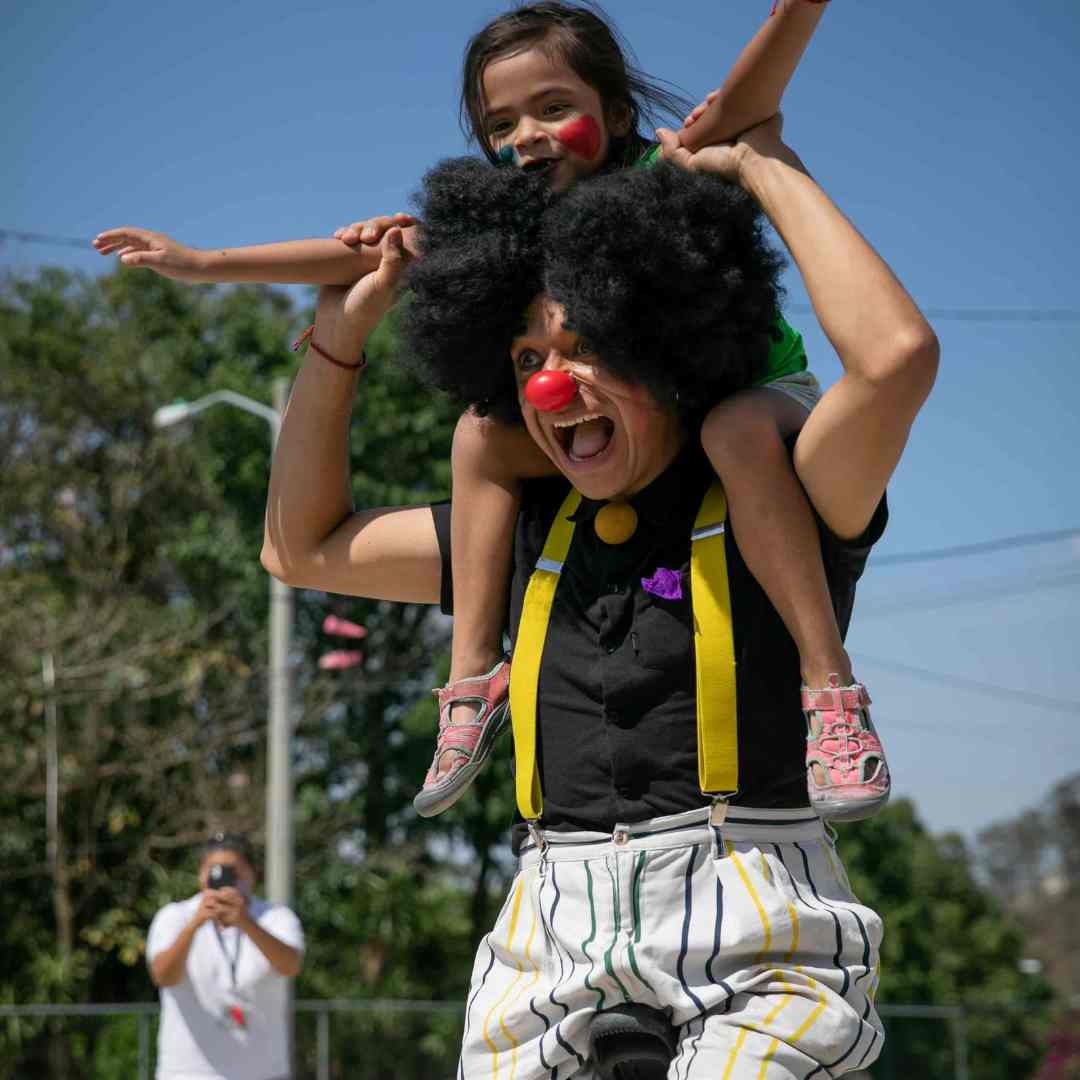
[616, 738]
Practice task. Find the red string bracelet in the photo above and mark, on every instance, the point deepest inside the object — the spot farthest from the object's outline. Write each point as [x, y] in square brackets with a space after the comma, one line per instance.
[312, 344]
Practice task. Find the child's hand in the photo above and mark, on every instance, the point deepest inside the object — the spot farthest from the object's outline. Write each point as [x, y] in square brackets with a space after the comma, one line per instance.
[729, 159]
[372, 231]
[695, 113]
[155, 251]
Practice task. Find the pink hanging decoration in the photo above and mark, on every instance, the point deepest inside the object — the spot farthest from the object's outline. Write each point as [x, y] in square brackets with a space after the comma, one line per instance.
[340, 659]
[342, 627]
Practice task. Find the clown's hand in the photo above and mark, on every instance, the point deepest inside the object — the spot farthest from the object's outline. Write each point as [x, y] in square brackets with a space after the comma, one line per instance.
[346, 315]
[728, 160]
[717, 158]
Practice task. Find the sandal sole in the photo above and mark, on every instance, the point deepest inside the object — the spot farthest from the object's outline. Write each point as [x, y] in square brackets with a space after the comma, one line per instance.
[849, 809]
[432, 801]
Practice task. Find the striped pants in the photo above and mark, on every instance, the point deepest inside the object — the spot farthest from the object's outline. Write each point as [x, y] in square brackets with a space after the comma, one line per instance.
[746, 934]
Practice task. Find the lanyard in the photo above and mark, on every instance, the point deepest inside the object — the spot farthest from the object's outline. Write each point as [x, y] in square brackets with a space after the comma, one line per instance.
[233, 960]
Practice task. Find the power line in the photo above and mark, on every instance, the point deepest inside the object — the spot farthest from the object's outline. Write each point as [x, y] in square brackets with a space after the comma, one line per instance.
[1003, 314]
[43, 238]
[949, 314]
[976, 593]
[983, 547]
[976, 686]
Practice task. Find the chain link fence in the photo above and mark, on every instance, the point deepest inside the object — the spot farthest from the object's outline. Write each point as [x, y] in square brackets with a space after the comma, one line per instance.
[418, 1040]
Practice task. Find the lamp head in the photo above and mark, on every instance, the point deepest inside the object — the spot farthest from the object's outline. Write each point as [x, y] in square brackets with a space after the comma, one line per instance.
[171, 414]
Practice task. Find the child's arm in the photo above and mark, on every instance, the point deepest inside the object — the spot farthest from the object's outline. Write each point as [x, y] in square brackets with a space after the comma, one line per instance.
[291, 262]
[752, 91]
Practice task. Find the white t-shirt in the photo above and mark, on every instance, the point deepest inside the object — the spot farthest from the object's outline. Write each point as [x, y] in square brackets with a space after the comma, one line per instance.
[199, 1036]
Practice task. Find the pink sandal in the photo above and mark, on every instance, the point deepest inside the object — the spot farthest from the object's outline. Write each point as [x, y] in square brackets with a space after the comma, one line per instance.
[470, 741]
[847, 750]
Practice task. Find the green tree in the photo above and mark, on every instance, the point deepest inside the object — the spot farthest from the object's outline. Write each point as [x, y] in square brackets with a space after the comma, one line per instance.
[1036, 857]
[130, 558]
[948, 941]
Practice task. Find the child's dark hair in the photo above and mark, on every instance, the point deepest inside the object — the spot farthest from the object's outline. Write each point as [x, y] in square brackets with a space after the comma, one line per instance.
[579, 35]
[667, 273]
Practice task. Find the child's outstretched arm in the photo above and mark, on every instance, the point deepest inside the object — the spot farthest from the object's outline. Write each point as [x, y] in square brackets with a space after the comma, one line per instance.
[291, 262]
[752, 91]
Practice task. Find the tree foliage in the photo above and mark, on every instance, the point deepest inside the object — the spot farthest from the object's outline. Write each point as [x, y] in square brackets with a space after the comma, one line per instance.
[129, 557]
[948, 942]
[1036, 859]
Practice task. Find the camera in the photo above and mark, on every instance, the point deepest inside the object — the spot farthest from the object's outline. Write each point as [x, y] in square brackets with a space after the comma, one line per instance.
[220, 876]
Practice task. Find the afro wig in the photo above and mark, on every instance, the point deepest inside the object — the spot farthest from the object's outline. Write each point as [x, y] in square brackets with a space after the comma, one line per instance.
[668, 274]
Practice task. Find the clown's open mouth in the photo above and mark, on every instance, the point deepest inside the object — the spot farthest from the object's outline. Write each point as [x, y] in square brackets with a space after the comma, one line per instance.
[586, 437]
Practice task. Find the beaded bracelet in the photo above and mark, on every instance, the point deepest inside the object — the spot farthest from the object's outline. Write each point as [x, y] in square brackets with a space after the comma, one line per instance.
[307, 336]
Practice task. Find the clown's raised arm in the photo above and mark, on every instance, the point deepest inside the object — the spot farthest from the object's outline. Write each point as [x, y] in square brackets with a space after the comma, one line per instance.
[313, 539]
[853, 439]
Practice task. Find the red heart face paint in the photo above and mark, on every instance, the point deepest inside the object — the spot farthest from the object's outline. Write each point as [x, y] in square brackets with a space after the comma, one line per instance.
[582, 137]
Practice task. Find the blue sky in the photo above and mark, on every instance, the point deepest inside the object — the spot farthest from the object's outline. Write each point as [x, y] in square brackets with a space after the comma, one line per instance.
[948, 134]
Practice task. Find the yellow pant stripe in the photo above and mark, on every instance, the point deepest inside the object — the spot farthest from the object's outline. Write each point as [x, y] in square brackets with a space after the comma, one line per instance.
[809, 1022]
[735, 1053]
[773, 1046]
[527, 986]
[762, 915]
[491, 1045]
[781, 1006]
[793, 915]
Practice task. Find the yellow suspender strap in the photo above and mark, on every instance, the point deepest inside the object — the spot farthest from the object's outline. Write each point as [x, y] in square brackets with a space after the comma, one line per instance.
[529, 651]
[714, 650]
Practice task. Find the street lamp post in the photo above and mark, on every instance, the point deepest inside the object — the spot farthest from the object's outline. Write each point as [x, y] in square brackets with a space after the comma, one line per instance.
[279, 790]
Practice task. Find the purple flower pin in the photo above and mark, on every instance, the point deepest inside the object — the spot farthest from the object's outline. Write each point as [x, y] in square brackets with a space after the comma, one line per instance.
[667, 584]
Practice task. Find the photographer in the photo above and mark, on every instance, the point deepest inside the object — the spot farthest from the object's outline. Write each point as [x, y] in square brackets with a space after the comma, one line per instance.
[221, 959]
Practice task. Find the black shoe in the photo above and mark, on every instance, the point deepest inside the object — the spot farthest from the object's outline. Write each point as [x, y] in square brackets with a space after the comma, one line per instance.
[631, 1042]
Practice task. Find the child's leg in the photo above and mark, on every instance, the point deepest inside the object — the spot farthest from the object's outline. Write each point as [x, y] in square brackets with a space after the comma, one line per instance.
[488, 462]
[744, 437]
[486, 496]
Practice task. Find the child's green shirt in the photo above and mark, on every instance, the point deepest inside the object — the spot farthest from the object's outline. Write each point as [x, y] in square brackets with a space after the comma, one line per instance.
[787, 354]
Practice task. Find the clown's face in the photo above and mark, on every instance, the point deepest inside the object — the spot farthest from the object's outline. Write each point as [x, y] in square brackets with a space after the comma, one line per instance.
[544, 118]
[612, 438]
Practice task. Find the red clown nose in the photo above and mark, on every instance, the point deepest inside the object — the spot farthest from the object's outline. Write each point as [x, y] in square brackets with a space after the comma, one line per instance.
[550, 391]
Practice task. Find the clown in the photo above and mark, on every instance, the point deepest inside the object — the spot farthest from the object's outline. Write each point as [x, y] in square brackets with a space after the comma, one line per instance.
[667, 854]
